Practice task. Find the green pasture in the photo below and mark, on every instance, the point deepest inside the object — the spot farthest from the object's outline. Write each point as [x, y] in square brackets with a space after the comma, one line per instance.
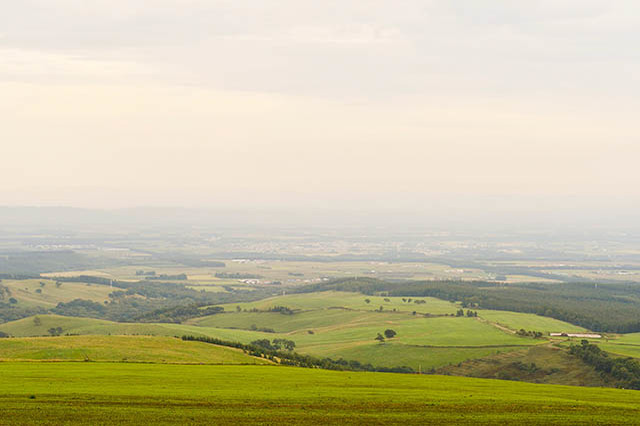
[120, 349]
[357, 301]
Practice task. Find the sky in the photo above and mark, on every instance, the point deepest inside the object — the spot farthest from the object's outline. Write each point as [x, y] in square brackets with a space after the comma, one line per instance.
[428, 106]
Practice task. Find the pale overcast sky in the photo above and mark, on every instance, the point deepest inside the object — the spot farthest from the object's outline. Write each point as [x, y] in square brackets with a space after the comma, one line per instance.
[119, 103]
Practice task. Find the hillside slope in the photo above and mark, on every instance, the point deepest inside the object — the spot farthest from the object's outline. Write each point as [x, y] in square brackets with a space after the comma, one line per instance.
[120, 349]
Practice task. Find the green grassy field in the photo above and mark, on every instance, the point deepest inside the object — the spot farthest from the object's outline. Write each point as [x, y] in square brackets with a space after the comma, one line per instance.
[99, 393]
[120, 349]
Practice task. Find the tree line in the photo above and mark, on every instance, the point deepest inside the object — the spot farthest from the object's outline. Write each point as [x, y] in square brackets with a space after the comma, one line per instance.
[625, 371]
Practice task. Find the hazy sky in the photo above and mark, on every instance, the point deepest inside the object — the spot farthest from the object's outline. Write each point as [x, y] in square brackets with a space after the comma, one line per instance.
[114, 103]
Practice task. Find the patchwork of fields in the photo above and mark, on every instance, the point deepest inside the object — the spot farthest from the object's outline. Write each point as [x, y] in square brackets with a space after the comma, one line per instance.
[338, 325]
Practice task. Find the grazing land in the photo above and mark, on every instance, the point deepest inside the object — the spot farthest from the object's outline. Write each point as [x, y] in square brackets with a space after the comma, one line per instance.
[120, 349]
[99, 393]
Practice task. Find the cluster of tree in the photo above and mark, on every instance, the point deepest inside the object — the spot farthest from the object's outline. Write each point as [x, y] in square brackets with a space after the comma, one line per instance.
[3, 334]
[529, 333]
[606, 308]
[625, 371]
[294, 359]
[80, 308]
[470, 313]
[55, 331]
[281, 309]
[417, 301]
[388, 334]
[94, 280]
[176, 277]
[275, 345]
[145, 273]
[237, 276]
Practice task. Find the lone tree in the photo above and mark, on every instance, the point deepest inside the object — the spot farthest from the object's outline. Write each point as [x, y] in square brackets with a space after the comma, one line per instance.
[367, 301]
[389, 333]
[380, 338]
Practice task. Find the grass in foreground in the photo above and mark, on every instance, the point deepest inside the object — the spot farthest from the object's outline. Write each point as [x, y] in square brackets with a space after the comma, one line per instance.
[96, 393]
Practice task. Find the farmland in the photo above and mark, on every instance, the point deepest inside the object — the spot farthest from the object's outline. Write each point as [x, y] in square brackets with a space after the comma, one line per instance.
[336, 325]
[98, 393]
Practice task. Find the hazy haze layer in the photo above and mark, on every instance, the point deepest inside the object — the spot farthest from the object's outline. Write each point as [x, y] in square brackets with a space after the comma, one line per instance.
[437, 107]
